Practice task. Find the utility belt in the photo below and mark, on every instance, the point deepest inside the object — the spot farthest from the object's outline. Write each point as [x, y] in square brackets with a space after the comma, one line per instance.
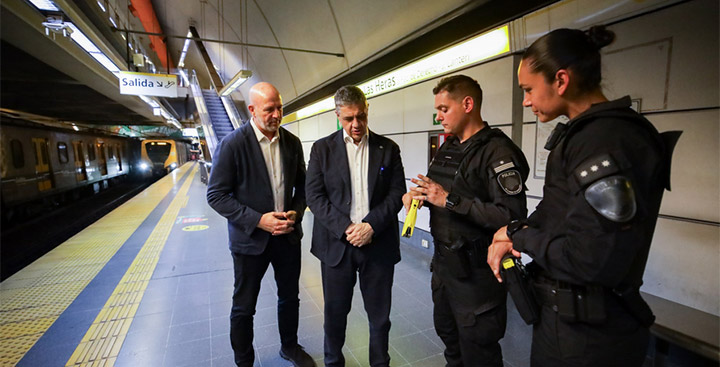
[461, 256]
[572, 303]
[586, 303]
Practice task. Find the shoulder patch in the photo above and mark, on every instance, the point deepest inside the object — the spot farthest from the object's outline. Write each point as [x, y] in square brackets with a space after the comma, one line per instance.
[595, 168]
[510, 181]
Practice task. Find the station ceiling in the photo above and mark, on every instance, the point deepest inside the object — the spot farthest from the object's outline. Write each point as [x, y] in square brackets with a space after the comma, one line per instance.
[51, 77]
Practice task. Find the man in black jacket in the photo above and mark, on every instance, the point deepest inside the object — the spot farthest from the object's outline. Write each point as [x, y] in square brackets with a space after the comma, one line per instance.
[474, 186]
[258, 184]
[355, 183]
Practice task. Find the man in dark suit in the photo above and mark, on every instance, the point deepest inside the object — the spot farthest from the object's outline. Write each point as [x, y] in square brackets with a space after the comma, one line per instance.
[258, 184]
[355, 185]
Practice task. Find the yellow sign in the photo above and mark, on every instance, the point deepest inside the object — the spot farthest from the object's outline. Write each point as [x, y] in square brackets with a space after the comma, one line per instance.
[195, 228]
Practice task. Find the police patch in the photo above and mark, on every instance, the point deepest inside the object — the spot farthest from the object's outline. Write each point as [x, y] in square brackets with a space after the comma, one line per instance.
[510, 181]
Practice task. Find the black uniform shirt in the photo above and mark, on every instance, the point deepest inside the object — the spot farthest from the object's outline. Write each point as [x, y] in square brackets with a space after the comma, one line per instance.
[489, 182]
[569, 239]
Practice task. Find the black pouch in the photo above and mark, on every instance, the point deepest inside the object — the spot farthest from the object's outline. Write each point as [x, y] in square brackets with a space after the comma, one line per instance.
[517, 282]
[590, 301]
[577, 303]
[455, 258]
[477, 252]
[565, 302]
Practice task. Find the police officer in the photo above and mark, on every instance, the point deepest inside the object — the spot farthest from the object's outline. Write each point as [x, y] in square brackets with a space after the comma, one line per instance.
[475, 185]
[590, 235]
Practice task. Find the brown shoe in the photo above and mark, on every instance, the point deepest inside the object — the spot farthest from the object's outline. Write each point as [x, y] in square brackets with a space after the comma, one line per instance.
[298, 356]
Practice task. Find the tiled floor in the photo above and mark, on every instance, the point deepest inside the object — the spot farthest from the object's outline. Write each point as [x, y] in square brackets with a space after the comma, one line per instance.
[183, 317]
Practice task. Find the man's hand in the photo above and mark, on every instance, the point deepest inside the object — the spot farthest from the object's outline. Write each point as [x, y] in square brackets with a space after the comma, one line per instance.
[408, 198]
[430, 191]
[276, 223]
[359, 234]
[290, 215]
[500, 247]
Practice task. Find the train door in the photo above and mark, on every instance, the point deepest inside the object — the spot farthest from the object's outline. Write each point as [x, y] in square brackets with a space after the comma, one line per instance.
[102, 159]
[42, 164]
[80, 161]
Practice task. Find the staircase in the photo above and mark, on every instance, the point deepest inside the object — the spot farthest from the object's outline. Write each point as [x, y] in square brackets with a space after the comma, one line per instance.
[218, 116]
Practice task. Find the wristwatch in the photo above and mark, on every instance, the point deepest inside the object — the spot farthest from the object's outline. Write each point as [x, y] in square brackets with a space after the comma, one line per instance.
[515, 226]
[451, 201]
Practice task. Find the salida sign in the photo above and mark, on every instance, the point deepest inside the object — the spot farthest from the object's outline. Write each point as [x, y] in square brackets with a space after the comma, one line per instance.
[144, 84]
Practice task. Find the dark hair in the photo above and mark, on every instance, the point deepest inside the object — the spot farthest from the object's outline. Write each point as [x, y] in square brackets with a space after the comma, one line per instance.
[460, 86]
[349, 95]
[570, 49]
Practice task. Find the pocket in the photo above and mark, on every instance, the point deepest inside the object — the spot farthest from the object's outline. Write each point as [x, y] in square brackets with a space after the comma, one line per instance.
[485, 328]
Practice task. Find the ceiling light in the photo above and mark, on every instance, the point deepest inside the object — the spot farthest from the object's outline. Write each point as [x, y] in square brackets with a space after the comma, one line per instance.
[113, 22]
[101, 6]
[181, 63]
[235, 82]
[45, 5]
[91, 49]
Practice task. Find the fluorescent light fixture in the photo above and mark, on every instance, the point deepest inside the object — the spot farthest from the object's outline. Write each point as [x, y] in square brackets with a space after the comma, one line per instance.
[150, 102]
[181, 63]
[113, 22]
[123, 36]
[474, 50]
[235, 82]
[100, 4]
[184, 76]
[91, 49]
[175, 123]
[75, 127]
[45, 5]
[326, 104]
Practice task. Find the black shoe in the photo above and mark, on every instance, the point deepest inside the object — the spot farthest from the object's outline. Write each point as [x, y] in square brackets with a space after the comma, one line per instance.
[298, 356]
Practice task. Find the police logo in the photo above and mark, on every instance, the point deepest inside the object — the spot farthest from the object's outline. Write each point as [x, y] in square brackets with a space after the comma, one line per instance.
[510, 181]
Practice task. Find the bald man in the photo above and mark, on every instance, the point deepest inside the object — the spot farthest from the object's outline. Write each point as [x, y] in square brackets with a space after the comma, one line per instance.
[258, 184]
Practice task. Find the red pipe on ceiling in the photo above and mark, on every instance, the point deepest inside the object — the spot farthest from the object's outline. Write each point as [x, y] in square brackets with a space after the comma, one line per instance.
[143, 9]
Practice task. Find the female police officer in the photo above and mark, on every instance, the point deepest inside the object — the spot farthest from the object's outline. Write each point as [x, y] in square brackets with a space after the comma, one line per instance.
[590, 235]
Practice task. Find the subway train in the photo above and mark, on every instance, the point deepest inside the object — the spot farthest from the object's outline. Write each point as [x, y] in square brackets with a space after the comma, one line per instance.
[160, 156]
[42, 165]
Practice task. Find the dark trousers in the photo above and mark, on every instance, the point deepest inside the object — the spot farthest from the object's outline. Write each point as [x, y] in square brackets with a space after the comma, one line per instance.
[620, 341]
[469, 324]
[249, 271]
[376, 279]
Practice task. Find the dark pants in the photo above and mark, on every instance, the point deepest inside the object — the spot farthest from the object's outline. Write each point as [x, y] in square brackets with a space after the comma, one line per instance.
[249, 271]
[376, 279]
[470, 316]
[620, 341]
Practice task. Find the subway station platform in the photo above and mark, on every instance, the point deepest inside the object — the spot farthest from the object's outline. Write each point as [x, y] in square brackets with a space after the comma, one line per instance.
[150, 284]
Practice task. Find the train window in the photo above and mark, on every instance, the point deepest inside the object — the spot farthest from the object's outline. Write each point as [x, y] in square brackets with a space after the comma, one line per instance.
[91, 152]
[62, 152]
[18, 157]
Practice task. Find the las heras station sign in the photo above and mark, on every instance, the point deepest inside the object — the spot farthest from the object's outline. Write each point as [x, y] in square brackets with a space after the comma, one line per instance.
[145, 84]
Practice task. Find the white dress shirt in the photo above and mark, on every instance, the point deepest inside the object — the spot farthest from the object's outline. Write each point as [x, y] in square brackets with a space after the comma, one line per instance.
[271, 154]
[358, 164]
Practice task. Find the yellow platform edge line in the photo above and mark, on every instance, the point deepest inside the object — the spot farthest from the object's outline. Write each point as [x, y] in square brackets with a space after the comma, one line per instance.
[55, 280]
[116, 316]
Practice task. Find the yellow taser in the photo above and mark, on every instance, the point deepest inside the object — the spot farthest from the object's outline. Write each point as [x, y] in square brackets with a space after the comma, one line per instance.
[409, 225]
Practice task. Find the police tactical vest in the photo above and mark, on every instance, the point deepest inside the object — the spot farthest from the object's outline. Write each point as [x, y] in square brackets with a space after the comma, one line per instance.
[450, 161]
